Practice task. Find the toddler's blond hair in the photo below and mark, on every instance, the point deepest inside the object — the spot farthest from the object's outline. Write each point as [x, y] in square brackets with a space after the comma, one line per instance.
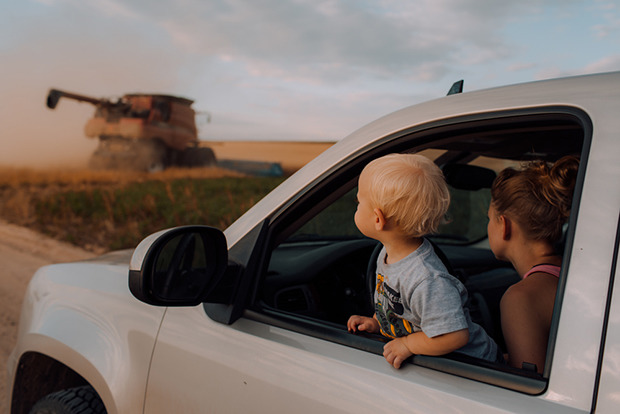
[410, 190]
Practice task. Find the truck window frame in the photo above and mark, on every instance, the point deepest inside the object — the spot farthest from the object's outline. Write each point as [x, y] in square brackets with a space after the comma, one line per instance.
[336, 181]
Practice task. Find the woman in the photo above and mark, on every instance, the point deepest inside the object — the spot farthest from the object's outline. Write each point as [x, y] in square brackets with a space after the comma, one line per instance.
[526, 216]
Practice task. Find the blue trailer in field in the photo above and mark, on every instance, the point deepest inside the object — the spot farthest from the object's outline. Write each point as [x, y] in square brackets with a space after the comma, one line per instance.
[258, 168]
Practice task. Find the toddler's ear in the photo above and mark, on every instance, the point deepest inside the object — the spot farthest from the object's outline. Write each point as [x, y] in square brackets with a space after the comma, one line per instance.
[379, 219]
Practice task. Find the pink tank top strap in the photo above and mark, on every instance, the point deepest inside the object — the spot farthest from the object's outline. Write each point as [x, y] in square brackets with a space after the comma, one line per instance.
[544, 268]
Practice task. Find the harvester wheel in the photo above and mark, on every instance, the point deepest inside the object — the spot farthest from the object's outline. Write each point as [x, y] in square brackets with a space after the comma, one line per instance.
[137, 155]
[197, 157]
[150, 156]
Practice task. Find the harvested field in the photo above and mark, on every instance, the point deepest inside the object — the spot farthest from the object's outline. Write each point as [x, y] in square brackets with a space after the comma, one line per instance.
[291, 155]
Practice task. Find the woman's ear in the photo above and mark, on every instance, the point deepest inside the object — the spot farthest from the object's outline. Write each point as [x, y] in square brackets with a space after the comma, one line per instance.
[506, 224]
[379, 219]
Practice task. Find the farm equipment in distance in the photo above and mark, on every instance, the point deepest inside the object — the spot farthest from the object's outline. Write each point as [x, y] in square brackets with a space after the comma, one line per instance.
[145, 132]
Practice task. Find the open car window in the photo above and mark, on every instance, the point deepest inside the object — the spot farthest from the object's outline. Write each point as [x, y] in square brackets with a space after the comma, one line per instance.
[335, 222]
[316, 273]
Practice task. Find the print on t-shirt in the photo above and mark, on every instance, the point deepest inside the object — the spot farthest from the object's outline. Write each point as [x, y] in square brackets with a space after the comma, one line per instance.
[389, 310]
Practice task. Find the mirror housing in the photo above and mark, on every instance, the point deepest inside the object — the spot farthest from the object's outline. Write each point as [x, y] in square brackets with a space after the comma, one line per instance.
[179, 266]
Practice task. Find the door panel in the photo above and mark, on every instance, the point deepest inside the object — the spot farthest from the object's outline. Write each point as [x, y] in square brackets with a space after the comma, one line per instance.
[203, 366]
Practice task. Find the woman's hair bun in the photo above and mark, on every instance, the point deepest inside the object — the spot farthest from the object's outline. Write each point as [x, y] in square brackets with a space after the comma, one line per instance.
[560, 184]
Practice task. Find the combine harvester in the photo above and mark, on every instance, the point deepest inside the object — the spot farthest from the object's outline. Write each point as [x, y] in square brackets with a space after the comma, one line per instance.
[150, 132]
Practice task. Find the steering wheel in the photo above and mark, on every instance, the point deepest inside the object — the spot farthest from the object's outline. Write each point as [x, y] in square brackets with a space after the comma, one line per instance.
[371, 277]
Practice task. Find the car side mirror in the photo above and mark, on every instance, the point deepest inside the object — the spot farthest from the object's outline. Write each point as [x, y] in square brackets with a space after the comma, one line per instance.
[179, 266]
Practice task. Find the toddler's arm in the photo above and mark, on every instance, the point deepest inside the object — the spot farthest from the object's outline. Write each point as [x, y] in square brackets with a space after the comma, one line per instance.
[399, 349]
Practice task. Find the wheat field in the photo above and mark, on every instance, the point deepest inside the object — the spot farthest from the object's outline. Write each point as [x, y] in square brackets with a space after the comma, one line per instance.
[291, 155]
[102, 210]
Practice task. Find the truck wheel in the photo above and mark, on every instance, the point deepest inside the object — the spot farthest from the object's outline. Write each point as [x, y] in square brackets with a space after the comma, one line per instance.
[80, 400]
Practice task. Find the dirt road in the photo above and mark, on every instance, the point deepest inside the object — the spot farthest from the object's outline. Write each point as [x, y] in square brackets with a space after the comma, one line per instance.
[22, 252]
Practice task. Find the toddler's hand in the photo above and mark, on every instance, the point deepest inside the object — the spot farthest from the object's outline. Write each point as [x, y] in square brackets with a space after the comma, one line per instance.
[395, 352]
[362, 323]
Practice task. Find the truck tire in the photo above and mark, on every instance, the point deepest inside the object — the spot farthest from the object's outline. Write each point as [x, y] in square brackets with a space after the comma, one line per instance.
[80, 400]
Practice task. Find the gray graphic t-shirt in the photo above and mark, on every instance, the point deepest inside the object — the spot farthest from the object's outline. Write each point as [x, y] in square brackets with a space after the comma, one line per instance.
[418, 294]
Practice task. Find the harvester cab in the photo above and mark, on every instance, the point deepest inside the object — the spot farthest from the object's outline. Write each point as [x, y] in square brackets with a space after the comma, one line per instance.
[146, 132]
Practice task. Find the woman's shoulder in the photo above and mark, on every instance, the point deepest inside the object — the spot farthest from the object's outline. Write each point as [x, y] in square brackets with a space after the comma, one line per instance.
[537, 289]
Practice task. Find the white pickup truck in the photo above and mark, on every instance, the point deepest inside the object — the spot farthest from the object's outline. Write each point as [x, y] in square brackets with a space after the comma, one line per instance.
[253, 319]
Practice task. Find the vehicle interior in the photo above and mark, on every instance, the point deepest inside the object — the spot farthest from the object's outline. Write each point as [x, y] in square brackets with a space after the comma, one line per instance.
[320, 268]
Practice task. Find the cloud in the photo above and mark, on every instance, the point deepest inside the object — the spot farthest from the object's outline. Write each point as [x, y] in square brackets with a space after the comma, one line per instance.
[610, 27]
[316, 39]
[320, 41]
[607, 64]
[516, 67]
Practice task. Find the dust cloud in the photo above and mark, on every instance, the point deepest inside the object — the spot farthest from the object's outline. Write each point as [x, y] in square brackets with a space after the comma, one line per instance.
[32, 135]
[37, 137]
[55, 50]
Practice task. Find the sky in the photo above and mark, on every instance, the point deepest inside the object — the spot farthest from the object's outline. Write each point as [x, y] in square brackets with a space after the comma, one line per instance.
[302, 70]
